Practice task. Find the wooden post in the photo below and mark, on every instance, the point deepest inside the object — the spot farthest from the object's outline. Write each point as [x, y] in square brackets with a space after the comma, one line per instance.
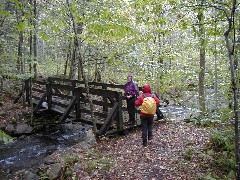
[27, 89]
[74, 85]
[49, 96]
[77, 105]
[159, 113]
[119, 99]
[105, 108]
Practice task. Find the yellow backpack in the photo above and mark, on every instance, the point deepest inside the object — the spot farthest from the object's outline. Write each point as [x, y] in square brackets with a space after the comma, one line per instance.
[149, 105]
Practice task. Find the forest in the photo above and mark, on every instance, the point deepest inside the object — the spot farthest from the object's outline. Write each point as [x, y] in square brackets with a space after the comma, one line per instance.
[186, 50]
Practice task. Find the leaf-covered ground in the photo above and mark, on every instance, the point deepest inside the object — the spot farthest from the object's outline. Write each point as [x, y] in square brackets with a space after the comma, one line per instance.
[172, 154]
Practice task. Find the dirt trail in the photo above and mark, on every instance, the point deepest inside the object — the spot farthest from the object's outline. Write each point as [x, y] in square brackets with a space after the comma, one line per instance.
[163, 158]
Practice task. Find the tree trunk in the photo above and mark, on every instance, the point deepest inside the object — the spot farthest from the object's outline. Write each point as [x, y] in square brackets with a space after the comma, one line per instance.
[78, 53]
[30, 49]
[72, 72]
[68, 58]
[201, 77]
[20, 53]
[215, 66]
[160, 63]
[234, 80]
[35, 39]
[30, 41]
[20, 43]
[80, 67]
[97, 75]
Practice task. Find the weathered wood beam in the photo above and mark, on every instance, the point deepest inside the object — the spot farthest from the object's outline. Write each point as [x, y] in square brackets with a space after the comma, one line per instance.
[45, 95]
[112, 114]
[69, 108]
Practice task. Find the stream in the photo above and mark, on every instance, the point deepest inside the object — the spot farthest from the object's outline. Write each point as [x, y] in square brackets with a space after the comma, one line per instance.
[28, 152]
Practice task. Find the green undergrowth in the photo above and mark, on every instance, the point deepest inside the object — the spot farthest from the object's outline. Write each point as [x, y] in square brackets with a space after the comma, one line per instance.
[5, 138]
[220, 154]
[90, 163]
[99, 161]
[218, 158]
[214, 118]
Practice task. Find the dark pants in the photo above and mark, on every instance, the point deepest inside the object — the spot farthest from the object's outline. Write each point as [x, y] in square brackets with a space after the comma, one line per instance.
[147, 127]
[131, 109]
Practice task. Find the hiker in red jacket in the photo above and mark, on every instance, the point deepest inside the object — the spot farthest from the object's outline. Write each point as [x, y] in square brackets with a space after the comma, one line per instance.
[146, 119]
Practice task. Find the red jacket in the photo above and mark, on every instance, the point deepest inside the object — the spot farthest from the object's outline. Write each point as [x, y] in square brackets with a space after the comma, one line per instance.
[146, 89]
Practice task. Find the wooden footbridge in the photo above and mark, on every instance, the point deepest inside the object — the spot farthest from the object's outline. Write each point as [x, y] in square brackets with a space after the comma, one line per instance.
[69, 99]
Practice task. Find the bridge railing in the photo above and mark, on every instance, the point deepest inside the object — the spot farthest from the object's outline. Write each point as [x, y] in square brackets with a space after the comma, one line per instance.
[69, 98]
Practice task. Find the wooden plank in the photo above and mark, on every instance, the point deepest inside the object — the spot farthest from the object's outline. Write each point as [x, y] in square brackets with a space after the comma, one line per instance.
[58, 103]
[113, 131]
[57, 91]
[108, 85]
[109, 119]
[40, 82]
[38, 90]
[63, 96]
[96, 113]
[34, 101]
[63, 87]
[88, 121]
[99, 102]
[99, 92]
[36, 97]
[103, 92]
[43, 98]
[111, 99]
[57, 110]
[100, 84]
[68, 110]
[104, 104]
